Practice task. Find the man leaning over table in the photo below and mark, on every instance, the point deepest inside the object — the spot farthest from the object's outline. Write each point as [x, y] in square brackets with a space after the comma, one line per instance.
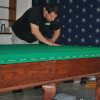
[35, 23]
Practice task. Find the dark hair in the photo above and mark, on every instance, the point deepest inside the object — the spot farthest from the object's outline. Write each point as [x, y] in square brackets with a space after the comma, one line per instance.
[53, 8]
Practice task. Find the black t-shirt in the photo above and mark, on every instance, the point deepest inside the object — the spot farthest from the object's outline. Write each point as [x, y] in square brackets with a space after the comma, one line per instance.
[34, 15]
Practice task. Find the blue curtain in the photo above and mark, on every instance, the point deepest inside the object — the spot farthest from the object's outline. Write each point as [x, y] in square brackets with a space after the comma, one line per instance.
[79, 21]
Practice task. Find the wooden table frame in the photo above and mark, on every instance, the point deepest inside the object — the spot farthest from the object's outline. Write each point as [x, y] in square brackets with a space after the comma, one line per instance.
[47, 73]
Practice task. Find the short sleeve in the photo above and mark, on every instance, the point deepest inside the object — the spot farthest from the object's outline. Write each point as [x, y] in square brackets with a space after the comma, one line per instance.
[33, 17]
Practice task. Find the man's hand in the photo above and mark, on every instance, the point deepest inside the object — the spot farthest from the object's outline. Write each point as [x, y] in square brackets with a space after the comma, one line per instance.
[54, 44]
[50, 40]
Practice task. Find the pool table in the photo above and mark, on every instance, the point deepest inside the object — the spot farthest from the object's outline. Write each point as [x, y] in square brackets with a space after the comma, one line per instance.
[23, 66]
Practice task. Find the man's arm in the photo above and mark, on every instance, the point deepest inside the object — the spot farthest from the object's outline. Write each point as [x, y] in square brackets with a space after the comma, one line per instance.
[36, 32]
[55, 36]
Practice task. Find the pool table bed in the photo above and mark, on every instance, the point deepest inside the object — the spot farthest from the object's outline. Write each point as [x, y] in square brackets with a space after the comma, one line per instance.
[23, 66]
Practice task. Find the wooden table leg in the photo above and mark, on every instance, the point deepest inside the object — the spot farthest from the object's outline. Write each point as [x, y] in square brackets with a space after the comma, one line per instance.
[49, 91]
[98, 90]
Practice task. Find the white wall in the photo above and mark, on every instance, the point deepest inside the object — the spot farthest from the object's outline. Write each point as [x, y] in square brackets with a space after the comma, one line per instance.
[4, 3]
[22, 6]
[4, 13]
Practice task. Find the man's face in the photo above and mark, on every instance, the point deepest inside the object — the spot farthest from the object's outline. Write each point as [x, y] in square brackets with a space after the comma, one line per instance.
[50, 16]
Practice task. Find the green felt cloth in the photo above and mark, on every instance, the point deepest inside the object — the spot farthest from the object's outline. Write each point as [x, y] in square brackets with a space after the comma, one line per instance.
[33, 53]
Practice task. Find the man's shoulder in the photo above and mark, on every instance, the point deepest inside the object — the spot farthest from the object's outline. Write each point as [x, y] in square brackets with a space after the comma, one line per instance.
[37, 8]
[36, 12]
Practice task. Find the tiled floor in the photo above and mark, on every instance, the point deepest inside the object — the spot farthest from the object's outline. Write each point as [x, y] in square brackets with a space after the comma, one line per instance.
[75, 89]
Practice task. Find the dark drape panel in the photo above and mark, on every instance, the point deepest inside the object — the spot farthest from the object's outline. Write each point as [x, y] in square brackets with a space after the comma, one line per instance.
[79, 21]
